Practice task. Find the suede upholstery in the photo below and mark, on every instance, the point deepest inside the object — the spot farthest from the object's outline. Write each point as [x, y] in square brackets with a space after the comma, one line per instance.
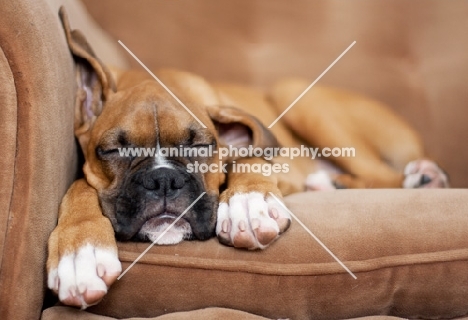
[408, 248]
[39, 155]
[39, 158]
[59, 313]
[410, 260]
[409, 54]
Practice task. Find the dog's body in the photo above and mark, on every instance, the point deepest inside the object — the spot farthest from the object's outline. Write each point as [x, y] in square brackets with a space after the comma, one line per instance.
[139, 197]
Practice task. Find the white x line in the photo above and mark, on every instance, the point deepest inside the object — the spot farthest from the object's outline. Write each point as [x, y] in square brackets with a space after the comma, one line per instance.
[161, 235]
[311, 85]
[314, 236]
[271, 125]
[161, 83]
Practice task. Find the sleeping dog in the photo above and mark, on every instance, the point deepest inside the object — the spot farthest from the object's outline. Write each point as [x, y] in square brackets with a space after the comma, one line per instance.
[137, 197]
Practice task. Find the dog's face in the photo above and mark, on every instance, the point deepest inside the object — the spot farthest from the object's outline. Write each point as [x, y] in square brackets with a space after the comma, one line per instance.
[144, 194]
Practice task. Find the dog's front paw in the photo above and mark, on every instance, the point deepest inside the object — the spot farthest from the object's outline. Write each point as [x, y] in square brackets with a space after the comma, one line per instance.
[251, 220]
[80, 274]
[424, 174]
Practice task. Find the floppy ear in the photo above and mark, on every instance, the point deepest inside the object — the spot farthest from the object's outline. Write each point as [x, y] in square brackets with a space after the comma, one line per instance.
[94, 80]
[239, 129]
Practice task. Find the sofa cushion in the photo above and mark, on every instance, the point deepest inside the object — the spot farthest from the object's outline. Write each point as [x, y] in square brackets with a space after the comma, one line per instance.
[407, 248]
[59, 313]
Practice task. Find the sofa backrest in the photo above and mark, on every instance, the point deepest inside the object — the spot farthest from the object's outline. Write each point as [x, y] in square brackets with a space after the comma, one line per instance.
[409, 54]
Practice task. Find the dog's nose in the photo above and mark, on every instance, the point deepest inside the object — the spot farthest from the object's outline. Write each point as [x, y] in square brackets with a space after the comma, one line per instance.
[164, 182]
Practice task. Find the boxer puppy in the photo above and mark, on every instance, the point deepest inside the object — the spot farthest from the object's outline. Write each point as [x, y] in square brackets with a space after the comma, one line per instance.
[138, 197]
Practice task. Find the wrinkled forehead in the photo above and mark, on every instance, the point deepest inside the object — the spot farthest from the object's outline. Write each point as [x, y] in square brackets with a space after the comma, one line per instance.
[148, 115]
[176, 127]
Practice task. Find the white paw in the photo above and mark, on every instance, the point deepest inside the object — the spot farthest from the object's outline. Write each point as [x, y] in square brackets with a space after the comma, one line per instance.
[251, 220]
[82, 278]
[319, 181]
[424, 174]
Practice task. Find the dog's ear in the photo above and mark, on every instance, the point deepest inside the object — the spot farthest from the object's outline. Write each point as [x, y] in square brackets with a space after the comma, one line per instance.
[94, 80]
[239, 129]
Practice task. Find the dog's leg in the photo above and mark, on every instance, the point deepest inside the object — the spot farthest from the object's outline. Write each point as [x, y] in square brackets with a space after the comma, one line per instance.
[82, 261]
[320, 129]
[248, 216]
[331, 118]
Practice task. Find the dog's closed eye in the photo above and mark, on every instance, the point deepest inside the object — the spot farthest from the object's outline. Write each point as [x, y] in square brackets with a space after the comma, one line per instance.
[102, 153]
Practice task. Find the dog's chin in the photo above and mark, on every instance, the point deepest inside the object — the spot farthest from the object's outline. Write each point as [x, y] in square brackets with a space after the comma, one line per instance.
[155, 228]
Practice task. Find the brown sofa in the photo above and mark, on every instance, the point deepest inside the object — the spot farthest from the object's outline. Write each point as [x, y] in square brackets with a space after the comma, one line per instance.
[408, 248]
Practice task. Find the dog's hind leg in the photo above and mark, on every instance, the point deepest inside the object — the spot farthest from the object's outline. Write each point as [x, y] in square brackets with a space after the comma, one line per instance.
[330, 118]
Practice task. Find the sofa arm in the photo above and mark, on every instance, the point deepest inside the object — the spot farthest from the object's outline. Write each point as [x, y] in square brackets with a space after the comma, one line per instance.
[38, 154]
